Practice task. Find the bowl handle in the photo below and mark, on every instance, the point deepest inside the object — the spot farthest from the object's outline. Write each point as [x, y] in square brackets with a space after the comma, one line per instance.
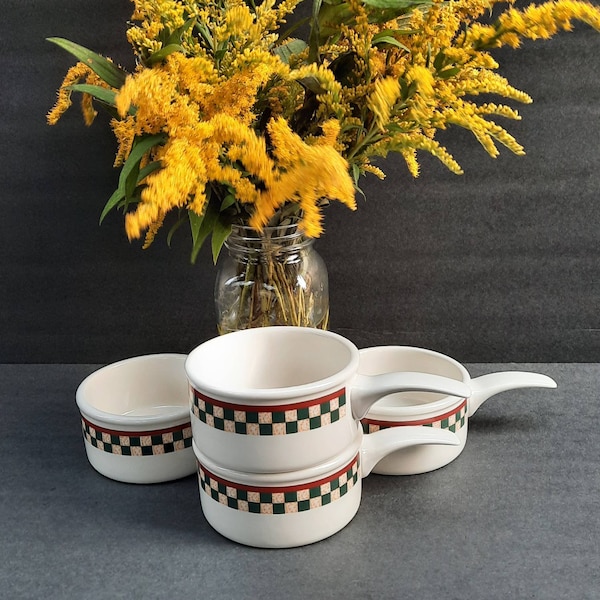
[367, 389]
[379, 444]
[488, 385]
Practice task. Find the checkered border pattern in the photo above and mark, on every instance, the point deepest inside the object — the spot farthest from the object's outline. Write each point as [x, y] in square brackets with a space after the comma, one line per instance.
[145, 443]
[452, 420]
[274, 420]
[278, 501]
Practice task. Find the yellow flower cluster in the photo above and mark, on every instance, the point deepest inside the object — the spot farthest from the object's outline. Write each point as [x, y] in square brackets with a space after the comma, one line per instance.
[77, 73]
[534, 22]
[239, 110]
[211, 140]
[157, 18]
[428, 71]
[381, 101]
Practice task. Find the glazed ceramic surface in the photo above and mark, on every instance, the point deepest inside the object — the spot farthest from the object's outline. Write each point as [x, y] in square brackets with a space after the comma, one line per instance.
[294, 508]
[135, 419]
[276, 399]
[437, 411]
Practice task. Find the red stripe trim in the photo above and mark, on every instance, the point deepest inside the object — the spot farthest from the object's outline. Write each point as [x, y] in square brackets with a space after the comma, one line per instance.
[136, 433]
[288, 488]
[269, 408]
[454, 411]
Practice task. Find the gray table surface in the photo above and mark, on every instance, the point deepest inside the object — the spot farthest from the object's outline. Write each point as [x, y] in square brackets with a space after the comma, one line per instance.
[517, 515]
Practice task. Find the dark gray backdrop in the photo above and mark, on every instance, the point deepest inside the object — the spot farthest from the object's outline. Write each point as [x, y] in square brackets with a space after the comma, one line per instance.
[501, 264]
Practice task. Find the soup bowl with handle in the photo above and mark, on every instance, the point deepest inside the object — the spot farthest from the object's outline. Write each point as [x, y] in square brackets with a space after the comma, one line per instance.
[432, 410]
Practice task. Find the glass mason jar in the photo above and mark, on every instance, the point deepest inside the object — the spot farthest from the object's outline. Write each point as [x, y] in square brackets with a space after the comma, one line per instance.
[274, 277]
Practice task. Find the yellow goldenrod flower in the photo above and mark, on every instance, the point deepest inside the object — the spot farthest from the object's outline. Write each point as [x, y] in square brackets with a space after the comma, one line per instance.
[544, 21]
[239, 20]
[410, 157]
[153, 230]
[75, 74]
[369, 168]
[87, 109]
[423, 78]
[183, 174]
[124, 130]
[382, 100]
[483, 81]
[305, 174]
[331, 131]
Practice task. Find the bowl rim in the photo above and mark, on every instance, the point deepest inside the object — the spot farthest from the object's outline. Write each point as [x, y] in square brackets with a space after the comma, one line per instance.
[415, 411]
[179, 414]
[274, 395]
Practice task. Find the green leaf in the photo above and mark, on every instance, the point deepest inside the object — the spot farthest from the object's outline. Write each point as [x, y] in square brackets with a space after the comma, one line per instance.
[407, 90]
[289, 49]
[220, 53]
[228, 201]
[439, 60]
[355, 173]
[447, 73]
[131, 182]
[315, 33]
[313, 84]
[195, 226]
[394, 4]
[205, 32]
[177, 35]
[173, 229]
[330, 17]
[113, 201]
[394, 128]
[385, 38]
[201, 228]
[140, 147]
[161, 54]
[383, 11]
[98, 92]
[148, 169]
[106, 70]
[131, 166]
[221, 231]
[293, 27]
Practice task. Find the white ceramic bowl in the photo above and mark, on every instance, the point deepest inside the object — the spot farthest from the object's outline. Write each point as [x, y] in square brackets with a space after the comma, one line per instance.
[271, 510]
[294, 508]
[437, 411]
[135, 419]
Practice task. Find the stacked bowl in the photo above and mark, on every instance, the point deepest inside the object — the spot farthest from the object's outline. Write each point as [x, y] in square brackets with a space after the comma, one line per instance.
[275, 421]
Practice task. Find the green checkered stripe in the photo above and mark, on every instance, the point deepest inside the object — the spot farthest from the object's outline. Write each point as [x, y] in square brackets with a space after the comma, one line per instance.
[452, 421]
[147, 443]
[278, 420]
[278, 501]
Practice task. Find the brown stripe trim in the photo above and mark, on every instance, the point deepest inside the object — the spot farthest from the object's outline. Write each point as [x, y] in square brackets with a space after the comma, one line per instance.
[282, 489]
[270, 408]
[136, 433]
[454, 411]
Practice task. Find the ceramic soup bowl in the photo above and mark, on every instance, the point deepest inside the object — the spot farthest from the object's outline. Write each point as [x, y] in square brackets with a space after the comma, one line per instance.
[135, 419]
[282, 510]
[277, 399]
[431, 410]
